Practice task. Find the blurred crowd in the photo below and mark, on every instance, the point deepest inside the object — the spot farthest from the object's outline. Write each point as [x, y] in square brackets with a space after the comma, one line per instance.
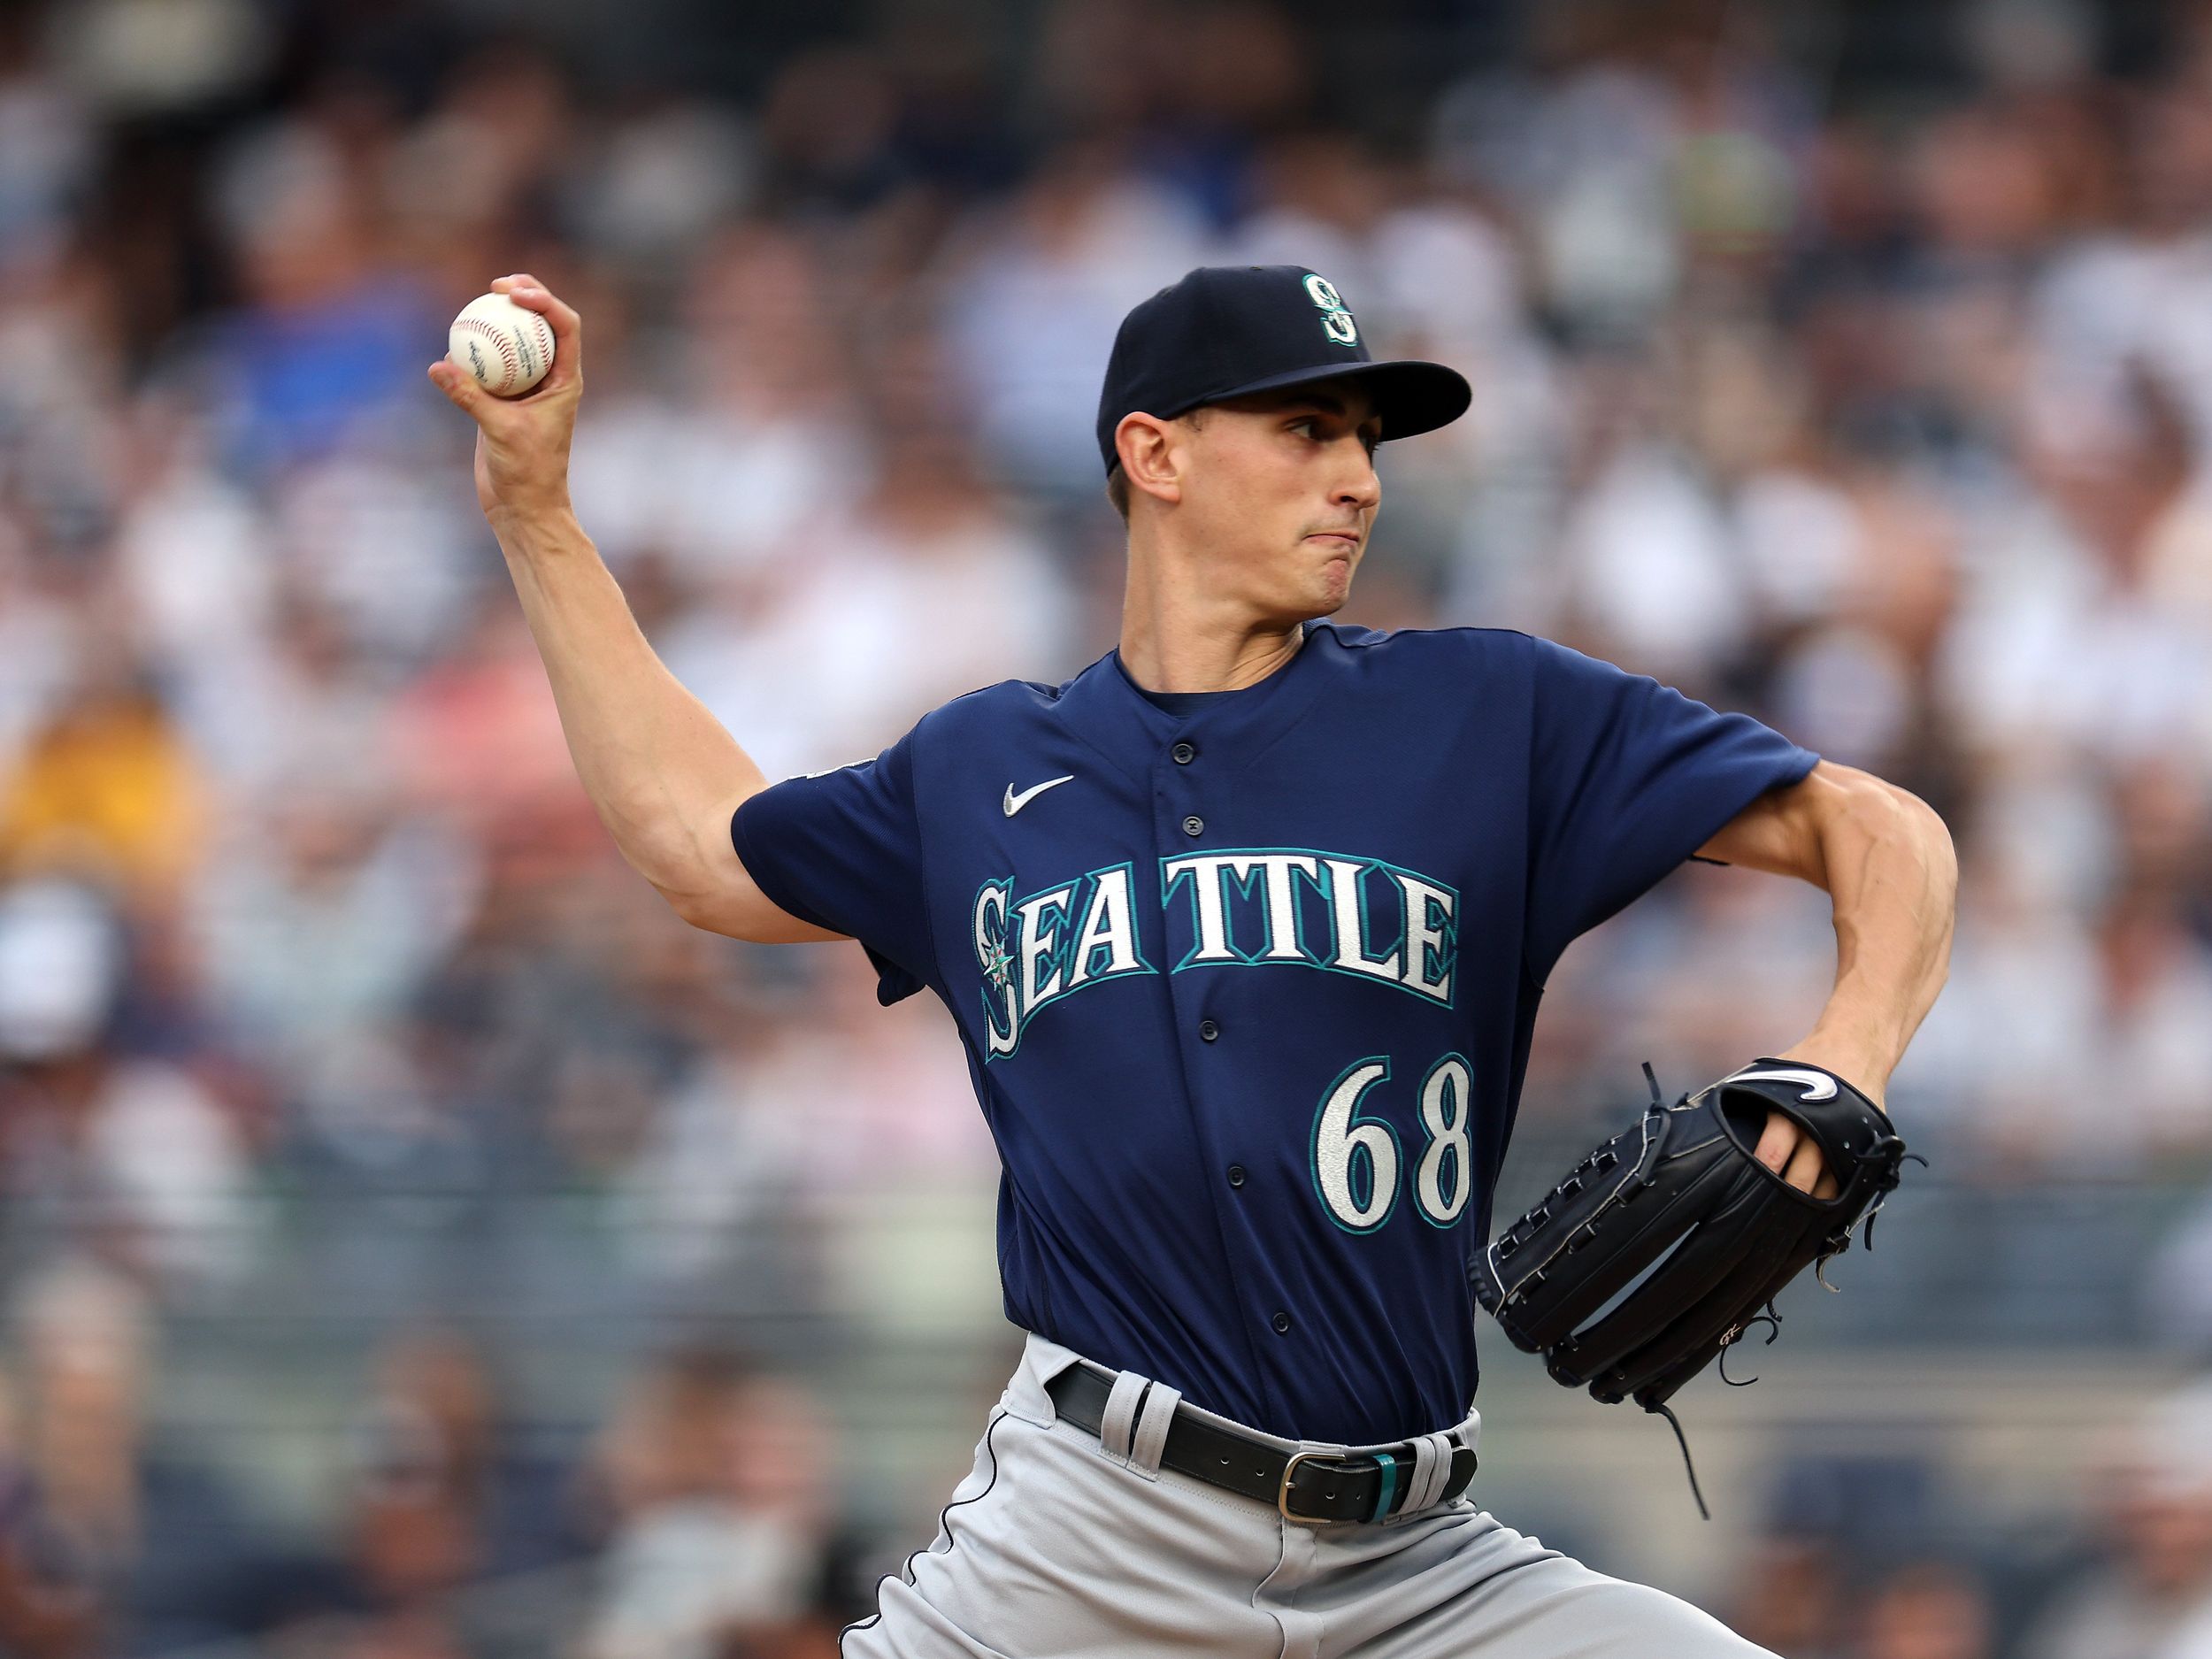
[415, 1243]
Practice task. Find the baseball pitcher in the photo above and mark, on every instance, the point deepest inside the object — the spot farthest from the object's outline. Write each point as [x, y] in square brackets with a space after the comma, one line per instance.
[1244, 928]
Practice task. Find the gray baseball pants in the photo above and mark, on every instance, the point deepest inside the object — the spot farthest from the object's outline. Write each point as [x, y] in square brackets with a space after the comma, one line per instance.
[1054, 1547]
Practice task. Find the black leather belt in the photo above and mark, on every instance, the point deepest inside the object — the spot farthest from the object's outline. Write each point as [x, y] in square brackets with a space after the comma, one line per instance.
[1307, 1486]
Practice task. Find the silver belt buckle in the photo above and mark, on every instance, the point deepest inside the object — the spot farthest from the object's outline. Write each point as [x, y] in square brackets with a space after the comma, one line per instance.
[1282, 1492]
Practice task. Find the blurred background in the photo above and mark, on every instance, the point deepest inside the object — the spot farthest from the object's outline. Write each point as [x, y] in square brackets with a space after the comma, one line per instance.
[416, 1244]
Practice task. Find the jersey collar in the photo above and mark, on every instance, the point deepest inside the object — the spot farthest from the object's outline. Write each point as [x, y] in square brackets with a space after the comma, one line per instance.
[1110, 713]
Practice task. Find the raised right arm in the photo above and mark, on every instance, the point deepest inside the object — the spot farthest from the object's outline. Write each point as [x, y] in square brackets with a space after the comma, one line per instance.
[663, 773]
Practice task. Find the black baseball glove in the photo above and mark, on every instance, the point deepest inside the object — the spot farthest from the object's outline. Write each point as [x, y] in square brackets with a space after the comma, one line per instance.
[1683, 1185]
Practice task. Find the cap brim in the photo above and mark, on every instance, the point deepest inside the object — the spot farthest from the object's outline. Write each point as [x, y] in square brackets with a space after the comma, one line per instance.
[1412, 396]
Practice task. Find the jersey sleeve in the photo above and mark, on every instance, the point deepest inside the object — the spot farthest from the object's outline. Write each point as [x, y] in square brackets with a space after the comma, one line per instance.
[1628, 779]
[842, 849]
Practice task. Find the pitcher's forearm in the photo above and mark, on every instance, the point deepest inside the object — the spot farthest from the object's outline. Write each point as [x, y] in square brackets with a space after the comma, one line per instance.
[663, 772]
[1892, 876]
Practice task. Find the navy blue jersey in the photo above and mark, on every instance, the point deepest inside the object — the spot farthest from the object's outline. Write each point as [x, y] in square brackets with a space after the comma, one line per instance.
[1246, 985]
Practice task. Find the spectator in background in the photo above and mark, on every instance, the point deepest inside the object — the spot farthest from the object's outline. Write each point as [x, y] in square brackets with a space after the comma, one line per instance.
[922, 584]
[1791, 1596]
[1034, 287]
[718, 1477]
[475, 743]
[128, 1160]
[327, 909]
[442, 1497]
[42, 1614]
[769, 417]
[107, 788]
[156, 1542]
[1930, 1610]
[326, 339]
[2156, 1021]
[438, 1414]
[2151, 1595]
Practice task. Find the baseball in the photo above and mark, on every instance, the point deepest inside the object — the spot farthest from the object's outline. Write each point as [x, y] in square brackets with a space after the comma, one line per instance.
[507, 346]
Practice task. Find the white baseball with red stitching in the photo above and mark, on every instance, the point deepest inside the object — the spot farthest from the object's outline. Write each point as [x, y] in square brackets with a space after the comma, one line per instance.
[505, 346]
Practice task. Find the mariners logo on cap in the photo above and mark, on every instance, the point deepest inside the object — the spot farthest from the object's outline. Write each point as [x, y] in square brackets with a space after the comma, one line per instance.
[1336, 321]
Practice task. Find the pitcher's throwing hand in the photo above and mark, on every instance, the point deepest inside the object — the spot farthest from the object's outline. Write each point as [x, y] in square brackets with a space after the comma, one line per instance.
[522, 443]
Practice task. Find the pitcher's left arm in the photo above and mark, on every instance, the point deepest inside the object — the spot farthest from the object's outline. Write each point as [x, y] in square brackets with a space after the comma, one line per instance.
[1885, 860]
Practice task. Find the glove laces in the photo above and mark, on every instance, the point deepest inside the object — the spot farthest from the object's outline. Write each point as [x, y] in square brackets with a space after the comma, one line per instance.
[1683, 1440]
[1886, 1157]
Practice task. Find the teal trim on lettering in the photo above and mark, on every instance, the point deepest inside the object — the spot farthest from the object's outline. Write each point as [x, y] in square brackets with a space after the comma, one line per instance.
[1447, 959]
[1313, 1148]
[1168, 884]
[1251, 886]
[1458, 1199]
[1254, 887]
[1055, 960]
[1088, 885]
[1363, 944]
[1319, 884]
[1080, 892]
[1011, 1028]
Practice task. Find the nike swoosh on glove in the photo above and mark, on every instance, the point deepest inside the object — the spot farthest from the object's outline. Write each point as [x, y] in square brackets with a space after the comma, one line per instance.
[1683, 1185]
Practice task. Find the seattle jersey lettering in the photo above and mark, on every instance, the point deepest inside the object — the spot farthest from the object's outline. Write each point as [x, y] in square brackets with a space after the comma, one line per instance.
[1049, 945]
[1248, 907]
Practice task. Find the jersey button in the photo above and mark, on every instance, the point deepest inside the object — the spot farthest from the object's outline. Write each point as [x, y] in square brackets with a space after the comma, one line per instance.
[1194, 825]
[1207, 1030]
[1281, 1323]
[1236, 1175]
[1184, 753]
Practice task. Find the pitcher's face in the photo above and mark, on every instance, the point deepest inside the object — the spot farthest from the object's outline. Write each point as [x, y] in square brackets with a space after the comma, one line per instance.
[1280, 490]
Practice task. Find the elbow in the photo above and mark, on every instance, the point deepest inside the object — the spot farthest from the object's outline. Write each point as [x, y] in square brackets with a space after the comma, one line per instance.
[695, 869]
[1921, 827]
[737, 909]
[683, 876]
[1943, 859]
[1866, 812]
[1925, 824]
[692, 909]
[722, 913]
[710, 906]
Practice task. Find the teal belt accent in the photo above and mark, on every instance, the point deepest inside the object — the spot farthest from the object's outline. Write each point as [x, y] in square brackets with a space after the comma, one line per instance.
[1389, 1485]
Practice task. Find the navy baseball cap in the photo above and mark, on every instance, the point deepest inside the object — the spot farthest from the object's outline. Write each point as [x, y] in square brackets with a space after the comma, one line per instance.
[1228, 331]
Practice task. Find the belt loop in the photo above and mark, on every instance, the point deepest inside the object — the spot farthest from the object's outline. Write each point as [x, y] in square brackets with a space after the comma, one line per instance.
[1466, 1461]
[1462, 1475]
[1432, 1467]
[1439, 1469]
[1446, 1455]
[1153, 1418]
[1389, 1485]
[1120, 1416]
[1418, 1477]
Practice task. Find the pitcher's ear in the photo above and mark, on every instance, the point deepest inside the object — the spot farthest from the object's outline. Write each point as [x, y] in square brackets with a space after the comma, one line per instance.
[1149, 460]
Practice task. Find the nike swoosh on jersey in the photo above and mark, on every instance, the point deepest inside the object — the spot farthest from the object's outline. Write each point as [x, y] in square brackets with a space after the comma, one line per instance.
[1015, 802]
[1817, 1084]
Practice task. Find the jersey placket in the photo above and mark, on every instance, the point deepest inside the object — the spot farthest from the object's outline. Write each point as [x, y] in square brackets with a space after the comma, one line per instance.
[1185, 791]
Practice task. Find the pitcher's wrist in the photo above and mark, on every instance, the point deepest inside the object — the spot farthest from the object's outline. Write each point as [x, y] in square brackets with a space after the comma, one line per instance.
[526, 522]
[1857, 1064]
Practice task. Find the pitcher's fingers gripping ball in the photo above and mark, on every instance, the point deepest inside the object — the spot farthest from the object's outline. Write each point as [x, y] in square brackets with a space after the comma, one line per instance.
[522, 443]
[504, 347]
